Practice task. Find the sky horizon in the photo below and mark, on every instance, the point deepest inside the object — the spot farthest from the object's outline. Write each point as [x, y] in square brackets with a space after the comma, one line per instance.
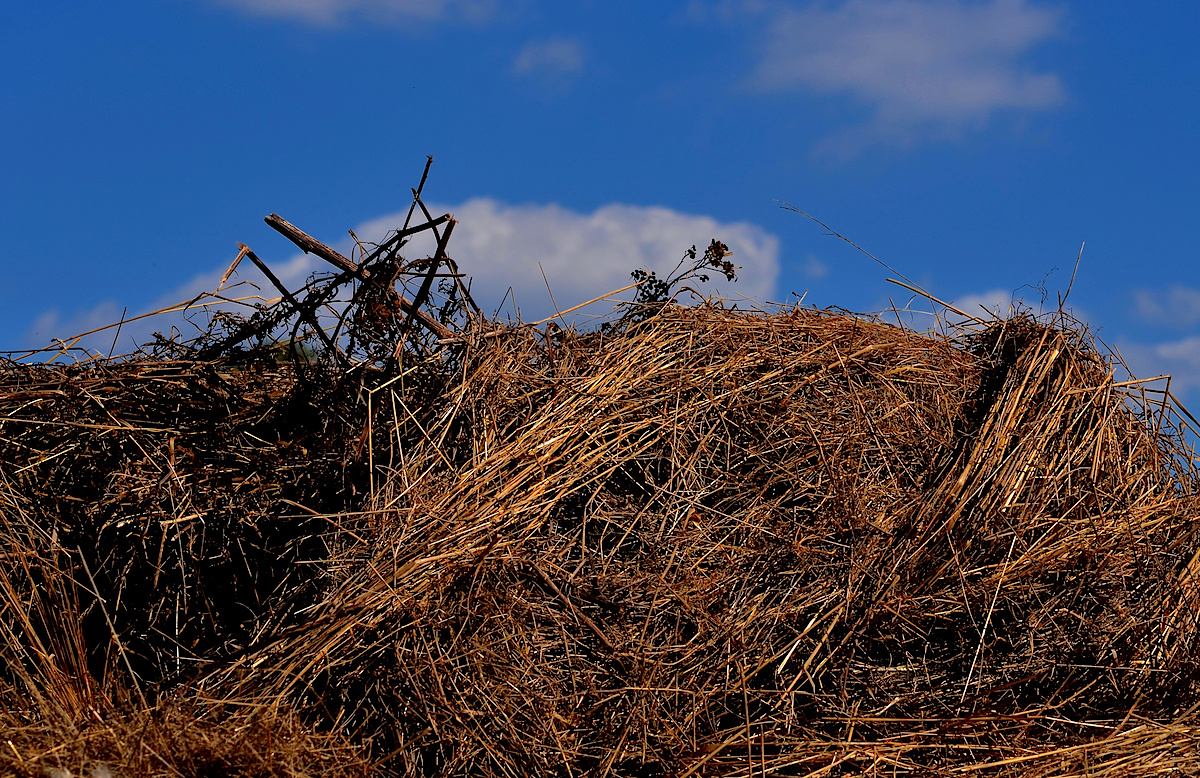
[973, 145]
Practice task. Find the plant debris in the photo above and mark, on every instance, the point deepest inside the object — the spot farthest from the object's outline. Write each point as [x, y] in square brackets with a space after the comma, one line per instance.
[363, 529]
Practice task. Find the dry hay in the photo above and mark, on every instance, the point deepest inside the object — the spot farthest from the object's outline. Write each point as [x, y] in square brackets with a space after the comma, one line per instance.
[699, 541]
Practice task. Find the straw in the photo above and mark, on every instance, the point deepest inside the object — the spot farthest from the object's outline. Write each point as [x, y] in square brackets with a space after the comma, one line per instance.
[692, 541]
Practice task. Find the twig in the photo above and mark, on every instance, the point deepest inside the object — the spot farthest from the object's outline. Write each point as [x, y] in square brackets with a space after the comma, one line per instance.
[927, 295]
[310, 245]
[232, 267]
[117, 334]
[423, 293]
[305, 312]
[398, 236]
[1062, 300]
[789, 207]
[583, 305]
[417, 192]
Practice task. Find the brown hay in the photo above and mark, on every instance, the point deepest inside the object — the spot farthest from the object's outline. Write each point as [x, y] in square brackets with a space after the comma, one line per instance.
[699, 542]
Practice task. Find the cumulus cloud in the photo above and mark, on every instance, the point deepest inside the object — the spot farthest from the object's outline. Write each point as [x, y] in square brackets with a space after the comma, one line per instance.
[554, 62]
[1178, 307]
[331, 12]
[996, 302]
[588, 254]
[921, 66]
[506, 249]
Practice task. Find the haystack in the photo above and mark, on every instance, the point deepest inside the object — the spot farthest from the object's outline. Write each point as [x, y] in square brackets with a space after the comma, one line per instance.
[696, 541]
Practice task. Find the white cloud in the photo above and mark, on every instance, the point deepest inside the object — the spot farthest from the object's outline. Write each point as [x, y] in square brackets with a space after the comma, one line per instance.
[587, 254]
[996, 302]
[331, 12]
[52, 324]
[1178, 358]
[1178, 307]
[553, 62]
[813, 268]
[246, 283]
[583, 255]
[1003, 303]
[922, 66]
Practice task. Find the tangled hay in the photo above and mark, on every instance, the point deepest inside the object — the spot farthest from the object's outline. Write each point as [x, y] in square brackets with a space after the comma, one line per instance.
[698, 541]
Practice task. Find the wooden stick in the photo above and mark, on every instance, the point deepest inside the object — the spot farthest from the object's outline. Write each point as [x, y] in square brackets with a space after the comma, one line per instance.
[305, 313]
[423, 293]
[432, 324]
[404, 233]
[414, 309]
[310, 245]
[417, 193]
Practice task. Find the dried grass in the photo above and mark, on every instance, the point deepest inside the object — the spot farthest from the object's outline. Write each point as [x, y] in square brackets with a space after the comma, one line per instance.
[698, 542]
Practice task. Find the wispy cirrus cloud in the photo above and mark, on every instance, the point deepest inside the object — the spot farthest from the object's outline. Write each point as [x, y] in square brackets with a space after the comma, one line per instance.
[1179, 359]
[333, 12]
[1177, 307]
[813, 268]
[511, 253]
[553, 63]
[922, 68]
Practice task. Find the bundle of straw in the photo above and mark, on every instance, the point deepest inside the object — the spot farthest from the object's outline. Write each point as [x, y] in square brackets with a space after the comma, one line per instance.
[695, 541]
[711, 543]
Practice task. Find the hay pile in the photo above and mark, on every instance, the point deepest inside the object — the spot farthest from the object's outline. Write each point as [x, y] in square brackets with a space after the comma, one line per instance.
[698, 541]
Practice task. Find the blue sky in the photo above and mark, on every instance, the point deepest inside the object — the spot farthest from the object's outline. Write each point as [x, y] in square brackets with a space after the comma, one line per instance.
[971, 144]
